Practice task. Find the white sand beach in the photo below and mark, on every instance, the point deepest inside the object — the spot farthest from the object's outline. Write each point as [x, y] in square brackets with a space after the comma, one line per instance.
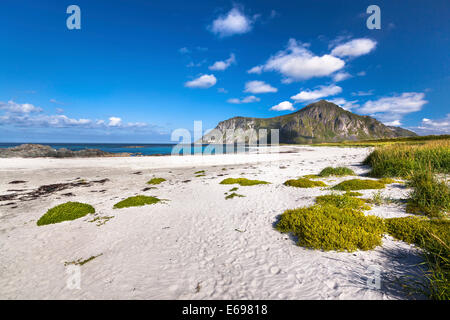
[195, 245]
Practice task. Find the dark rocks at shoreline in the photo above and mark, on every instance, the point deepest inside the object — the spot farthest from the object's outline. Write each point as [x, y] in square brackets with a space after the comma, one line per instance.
[41, 151]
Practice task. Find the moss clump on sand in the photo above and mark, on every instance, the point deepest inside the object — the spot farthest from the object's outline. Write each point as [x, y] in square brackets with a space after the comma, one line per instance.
[243, 181]
[342, 201]
[199, 172]
[65, 212]
[338, 172]
[331, 228]
[311, 176]
[234, 189]
[388, 181]
[359, 184]
[234, 194]
[136, 201]
[354, 193]
[433, 236]
[156, 181]
[304, 183]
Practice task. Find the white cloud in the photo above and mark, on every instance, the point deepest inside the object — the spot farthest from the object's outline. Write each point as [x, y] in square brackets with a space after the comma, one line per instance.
[394, 123]
[14, 107]
[234, 22]
[248, 99]
[341, 76]
[222, 90]
[205, 81]
[405, 103]
[354, 48]
[259, 87]
[298, 63]
[283, 106]
[255, 70]
[361, 73]
[362, 93]
[344, 104]
[63, 121]
[320, 92]
[438, 126]
[183, 50]
[57, 102]
[114, 122]
[223, 65]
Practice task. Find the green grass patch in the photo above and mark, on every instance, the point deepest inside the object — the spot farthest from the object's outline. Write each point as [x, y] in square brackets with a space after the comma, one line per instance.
[234, 189]
[433, 236]
[354, 193]
[331, 228]
[403, 160]
[359, 184]
[136, 201]
[338, 172]
[304, 183]
[243, 181]
[156, 181]
[199, 172]
[65, 212]
[234, 194]
[430, 196]
[311, 176]
[342, 201]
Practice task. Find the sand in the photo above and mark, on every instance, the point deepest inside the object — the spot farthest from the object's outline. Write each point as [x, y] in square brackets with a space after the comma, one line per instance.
[195, 245]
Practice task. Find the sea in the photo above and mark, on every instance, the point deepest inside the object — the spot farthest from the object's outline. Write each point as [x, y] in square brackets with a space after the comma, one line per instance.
[138, 149]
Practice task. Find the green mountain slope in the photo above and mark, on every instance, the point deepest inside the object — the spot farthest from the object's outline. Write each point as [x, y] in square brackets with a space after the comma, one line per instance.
[321, 121]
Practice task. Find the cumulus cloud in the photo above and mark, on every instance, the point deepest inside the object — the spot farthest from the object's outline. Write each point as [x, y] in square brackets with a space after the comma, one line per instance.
[259, 87]
[394, 123]
[362, 93]
[341, 76]
[63, 121]
[298, 63]
[283, 106]
[223, 65]
[205, 81]
[344, 104]
[114, 122]
[354, 48]
[248, 99]
[320, 92]
[436, 126]
[14, 107]
[255, 70]
[405, 103]
[234, 22]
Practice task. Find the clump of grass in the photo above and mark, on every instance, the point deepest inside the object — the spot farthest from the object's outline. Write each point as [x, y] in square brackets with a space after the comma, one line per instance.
[388, 181]
[243, 181]
[304, 183]
[433, 236]
[234, 194]
[101, 220]
[81, 262]
[342, 201]
[430, 195]
[331, 228]
[136, 201]
[400, 160]
[354, 193]
[359, 184]
[156, 181]
[378, 199]
[311, 176]
[200, 175]
[65, 212]
[338, 171]
[199, 172]
[234, 189]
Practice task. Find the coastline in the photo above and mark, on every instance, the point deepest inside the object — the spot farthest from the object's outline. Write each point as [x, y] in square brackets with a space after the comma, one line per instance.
[195, 245]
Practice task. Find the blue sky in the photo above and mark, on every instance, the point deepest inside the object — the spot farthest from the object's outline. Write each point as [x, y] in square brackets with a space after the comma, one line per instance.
[138, 69]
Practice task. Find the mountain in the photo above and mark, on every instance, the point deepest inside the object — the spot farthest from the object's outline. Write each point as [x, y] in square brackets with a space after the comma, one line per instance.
[321, 121]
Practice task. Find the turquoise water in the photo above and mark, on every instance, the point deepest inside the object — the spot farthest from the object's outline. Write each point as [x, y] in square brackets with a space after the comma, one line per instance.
[144, 149]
